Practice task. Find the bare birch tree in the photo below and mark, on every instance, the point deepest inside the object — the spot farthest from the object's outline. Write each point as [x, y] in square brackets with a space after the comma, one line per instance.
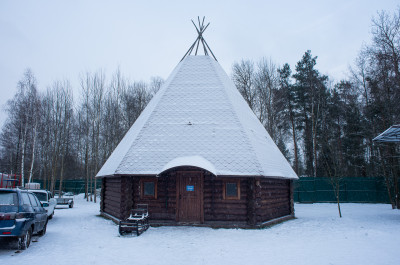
[243, 77]
[59, 105]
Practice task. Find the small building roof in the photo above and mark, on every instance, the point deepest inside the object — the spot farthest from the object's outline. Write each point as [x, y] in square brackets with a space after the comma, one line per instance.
[390, 135]
[198, 117]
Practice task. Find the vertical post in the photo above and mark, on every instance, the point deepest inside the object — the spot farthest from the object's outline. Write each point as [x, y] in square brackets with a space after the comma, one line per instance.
[258, 194]
[212, 196]
[291, 198]
[102, 193]
[177, 205]
[251, 202]
[202, 197]
[122, 210]
[166, 192]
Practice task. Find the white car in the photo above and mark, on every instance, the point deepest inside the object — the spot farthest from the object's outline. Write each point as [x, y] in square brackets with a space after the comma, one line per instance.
[47, 200]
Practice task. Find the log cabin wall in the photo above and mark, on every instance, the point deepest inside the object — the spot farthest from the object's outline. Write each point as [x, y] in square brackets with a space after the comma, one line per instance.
[273, 199]
[251, 202]
[218, 209]
[261, 199]
[111, 196]
[102, 192]
[162, 208]
[291, 198]
[127, 200]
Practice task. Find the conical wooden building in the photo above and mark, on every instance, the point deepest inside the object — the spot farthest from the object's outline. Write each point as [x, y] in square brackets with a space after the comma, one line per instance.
[198, 155]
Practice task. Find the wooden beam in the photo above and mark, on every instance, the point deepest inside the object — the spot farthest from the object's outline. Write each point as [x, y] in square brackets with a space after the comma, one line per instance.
[251, 202]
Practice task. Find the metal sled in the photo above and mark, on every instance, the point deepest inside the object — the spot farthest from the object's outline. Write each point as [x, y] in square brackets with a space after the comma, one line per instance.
[137, 222]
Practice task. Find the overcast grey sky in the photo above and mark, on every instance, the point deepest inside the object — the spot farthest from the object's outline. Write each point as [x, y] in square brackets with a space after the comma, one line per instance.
[62, 39]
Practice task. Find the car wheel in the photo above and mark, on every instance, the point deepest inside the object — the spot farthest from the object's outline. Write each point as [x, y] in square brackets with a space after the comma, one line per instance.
[41, 233]
[25, 240]
[51, 216]
[71, 205]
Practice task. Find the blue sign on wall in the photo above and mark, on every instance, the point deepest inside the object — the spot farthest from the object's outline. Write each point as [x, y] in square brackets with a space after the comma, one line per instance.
[189, 188]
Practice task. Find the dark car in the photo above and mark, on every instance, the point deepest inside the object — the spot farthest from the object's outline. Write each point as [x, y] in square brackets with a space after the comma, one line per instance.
[21, 216]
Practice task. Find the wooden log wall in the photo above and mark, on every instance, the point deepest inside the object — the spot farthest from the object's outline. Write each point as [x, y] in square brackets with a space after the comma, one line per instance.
[102, 192]
[127, 196]
[273, 198]
[164, 207]
[291, 197]
[217, 209]
[251, 202]
[261, 199]
[111, 196]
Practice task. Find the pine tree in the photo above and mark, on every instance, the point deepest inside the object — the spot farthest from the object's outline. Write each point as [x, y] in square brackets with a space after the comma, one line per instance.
[287, 97]
[310, 89]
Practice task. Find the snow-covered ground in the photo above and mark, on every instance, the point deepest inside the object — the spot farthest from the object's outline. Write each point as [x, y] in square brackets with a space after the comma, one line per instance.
[367, 234]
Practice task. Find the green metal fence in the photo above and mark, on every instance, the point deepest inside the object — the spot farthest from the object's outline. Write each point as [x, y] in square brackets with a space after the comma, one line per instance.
[367, 190]
[75, 186]
[306, 189]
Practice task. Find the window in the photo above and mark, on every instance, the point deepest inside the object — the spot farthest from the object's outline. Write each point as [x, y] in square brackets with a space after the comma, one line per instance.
[25, 199]
[231, 189]
[34, 201]
[8, 198]
[42, 196]
[148, 189]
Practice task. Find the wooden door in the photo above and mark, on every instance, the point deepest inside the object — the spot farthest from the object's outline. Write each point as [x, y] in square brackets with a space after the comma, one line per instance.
[190, 197]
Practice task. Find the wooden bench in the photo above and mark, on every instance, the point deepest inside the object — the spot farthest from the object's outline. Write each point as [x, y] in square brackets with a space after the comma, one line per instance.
[138, 221]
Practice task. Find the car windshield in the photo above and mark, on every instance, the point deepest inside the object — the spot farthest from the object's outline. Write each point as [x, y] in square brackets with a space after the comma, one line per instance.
[41, 196]
[8, 198]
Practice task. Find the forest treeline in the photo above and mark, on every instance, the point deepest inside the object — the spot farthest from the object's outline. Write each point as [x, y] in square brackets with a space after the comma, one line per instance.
[324, 127]
[49, 137]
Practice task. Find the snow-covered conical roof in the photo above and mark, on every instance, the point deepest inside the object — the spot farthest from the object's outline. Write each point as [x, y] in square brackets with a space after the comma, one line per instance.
[198, 118]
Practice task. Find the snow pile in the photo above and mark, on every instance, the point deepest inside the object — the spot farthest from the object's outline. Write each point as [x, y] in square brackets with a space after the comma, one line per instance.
[367, 234]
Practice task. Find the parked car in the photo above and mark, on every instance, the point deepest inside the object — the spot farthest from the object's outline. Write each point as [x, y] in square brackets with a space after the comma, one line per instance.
[21, 216]
[65, 201]
[46, 199]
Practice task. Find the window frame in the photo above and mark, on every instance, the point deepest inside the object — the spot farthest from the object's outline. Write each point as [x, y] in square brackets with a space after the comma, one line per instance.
[149, 197]
[224, 189]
